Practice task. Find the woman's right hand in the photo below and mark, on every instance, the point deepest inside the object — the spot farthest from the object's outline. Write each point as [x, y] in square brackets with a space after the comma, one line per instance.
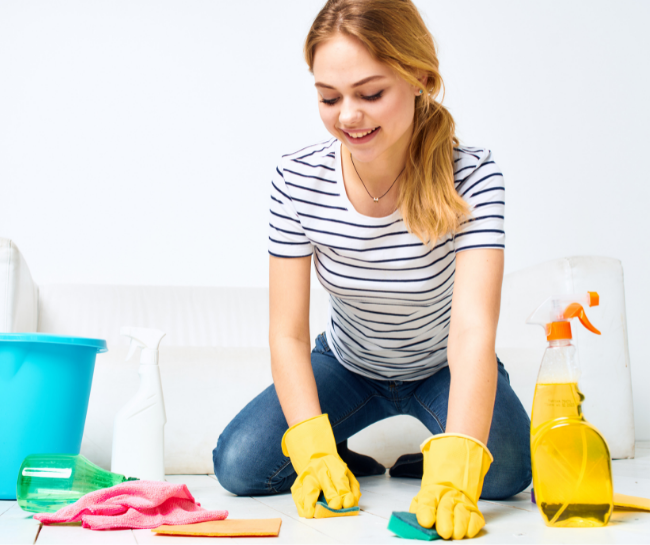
[312, 449]
[309, 441]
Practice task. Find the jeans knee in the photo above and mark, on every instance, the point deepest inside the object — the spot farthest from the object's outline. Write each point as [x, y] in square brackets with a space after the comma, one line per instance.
[229, 467]
[245, 469]
[505, 482]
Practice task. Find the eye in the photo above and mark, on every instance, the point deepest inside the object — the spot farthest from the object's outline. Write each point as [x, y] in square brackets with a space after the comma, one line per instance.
[330, 102]
[374, 97]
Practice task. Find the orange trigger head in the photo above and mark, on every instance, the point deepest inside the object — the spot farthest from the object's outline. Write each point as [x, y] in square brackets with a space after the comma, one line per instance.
[575, 310]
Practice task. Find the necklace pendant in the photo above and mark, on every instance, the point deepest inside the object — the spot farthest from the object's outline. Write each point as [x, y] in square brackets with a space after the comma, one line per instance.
[376, 199]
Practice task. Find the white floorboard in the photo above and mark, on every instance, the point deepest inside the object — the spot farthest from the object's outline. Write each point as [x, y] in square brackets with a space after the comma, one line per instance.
[16, 526]
[514, 521]
[69, 534]
[5, 505]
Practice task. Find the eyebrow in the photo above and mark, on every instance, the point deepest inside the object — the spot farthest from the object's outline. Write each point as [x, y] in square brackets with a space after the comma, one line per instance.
[357, 84]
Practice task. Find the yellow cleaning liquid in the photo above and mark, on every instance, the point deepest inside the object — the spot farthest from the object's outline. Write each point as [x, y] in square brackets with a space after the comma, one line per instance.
[570, 460]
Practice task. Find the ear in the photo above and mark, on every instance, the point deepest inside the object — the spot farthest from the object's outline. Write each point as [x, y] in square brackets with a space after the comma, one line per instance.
[423, 82]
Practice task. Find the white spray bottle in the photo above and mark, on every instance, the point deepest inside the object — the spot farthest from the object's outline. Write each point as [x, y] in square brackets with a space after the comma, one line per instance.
[138, 432]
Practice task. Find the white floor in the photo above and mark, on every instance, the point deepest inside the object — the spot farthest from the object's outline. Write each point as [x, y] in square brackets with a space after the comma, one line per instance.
[513, 521]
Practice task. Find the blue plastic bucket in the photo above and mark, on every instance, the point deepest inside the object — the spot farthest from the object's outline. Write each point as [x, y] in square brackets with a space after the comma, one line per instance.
[44, 390]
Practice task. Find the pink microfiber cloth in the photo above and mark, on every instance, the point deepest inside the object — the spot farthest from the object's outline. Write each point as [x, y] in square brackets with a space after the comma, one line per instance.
[136, 505]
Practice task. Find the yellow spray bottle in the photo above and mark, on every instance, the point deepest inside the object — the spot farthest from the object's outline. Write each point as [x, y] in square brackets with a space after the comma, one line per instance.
[572, 470]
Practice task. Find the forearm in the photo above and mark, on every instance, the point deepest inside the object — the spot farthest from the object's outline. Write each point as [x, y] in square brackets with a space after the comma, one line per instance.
[289, 338]
[474, 373]
[293, 378]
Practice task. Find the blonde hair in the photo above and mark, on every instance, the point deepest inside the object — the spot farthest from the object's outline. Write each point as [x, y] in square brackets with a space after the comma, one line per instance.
[394, 33]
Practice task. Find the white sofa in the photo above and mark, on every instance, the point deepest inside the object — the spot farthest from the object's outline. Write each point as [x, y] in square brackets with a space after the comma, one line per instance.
[215, 356]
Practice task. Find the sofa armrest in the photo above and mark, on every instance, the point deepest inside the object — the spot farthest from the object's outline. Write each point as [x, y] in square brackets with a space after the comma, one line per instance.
[606, 378]
[18, 292]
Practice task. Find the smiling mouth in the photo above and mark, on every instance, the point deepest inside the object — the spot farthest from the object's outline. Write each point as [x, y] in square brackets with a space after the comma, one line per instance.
[360, 134]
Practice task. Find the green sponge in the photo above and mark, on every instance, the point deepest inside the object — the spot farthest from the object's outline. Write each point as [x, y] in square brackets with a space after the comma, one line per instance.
[324, 511]
[406, 525]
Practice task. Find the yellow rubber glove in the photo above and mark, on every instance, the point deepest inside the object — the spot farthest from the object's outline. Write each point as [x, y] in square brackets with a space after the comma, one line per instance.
[454, 469]
[312, 449]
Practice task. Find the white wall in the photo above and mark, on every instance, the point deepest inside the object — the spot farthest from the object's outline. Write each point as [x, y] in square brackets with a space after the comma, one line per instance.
[137, 138]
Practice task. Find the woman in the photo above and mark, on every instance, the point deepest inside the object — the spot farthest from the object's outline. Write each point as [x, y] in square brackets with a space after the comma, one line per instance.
[406, 231]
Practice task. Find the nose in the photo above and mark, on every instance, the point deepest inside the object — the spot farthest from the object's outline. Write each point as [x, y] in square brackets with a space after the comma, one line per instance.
[349, 115]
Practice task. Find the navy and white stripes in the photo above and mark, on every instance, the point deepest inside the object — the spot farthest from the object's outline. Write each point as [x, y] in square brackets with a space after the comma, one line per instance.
[390, 295]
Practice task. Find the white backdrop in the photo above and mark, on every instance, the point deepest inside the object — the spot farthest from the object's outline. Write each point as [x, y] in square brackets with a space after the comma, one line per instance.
[137, 138]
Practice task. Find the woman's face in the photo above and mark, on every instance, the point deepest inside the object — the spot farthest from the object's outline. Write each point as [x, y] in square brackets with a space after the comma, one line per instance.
[362, 101]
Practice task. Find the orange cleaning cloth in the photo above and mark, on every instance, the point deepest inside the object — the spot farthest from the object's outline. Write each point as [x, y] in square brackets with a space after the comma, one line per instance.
[631, 502]
[225, 528]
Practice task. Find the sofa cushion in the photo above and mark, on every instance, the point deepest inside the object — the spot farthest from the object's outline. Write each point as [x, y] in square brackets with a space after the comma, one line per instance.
[204, 389]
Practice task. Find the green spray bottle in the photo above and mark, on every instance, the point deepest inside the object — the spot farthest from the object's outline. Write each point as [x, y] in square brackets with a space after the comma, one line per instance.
[47, 482]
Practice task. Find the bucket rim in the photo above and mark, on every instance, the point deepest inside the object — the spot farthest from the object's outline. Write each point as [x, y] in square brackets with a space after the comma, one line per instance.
[98, 344]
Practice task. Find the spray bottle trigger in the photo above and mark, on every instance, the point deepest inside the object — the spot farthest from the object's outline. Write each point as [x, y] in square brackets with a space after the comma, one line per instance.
[575, 310]
[132, 348]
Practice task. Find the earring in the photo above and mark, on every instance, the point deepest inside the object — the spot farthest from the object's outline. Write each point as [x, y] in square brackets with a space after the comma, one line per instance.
[420, 91]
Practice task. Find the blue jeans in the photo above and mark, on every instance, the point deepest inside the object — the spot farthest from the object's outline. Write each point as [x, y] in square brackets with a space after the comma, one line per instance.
[248, 458]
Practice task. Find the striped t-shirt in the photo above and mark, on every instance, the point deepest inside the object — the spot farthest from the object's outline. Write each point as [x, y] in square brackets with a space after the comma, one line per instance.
[390, 295]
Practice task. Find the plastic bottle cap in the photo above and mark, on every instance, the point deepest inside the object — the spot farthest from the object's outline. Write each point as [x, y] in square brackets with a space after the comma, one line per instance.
[558, 330]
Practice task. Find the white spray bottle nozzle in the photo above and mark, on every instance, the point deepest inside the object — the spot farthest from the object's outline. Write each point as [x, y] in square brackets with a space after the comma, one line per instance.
[555, 314]
[146, 338]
